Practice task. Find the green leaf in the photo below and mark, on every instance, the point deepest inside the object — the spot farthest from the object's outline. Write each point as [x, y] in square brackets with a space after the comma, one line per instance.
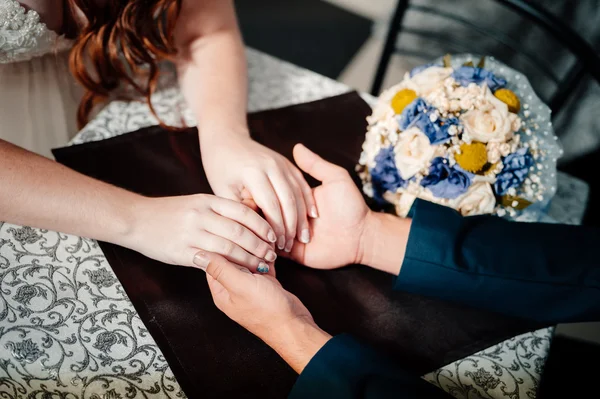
[481, 63]
[447, 61]
[522, 203]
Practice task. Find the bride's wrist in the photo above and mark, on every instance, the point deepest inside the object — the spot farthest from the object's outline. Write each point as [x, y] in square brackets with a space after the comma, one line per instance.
[135, 213]
[209, 134]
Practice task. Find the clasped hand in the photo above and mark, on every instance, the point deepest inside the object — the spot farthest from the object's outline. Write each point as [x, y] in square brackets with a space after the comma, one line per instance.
[253, 171]
[259, 303]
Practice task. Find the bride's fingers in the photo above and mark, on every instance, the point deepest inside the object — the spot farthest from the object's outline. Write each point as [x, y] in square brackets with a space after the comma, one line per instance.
[263, 194]
[240, 235]
[245, 216]
[288, 201]
[303, 228]
[307, 192]
[234, 253]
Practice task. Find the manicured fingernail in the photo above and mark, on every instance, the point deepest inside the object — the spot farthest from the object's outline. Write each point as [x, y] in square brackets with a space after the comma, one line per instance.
[271, 236]
[305, 236]
[201, 260]
[281, 242]
[313, 212]
[271, 256]
[262, 268]
[289, 245]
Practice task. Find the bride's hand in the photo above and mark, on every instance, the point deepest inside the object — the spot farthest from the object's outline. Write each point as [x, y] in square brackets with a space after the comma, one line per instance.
[173, 229]
[239, 168]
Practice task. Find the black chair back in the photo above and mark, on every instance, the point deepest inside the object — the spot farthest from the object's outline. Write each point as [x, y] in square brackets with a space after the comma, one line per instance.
[586, 59]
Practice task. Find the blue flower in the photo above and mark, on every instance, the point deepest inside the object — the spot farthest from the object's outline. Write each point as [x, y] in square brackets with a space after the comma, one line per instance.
[412, 111]
[444, 181]
[466, 74]
[437, 131]
[385, 176]
[417, 114]
[516, 169]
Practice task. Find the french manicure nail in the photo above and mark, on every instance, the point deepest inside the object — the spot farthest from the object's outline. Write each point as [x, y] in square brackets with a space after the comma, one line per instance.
[305, 236]
[281, 243]
[271, 236]
[262, 268]
[289, 245]
[313, 212]
[201, 260]
[271, 256]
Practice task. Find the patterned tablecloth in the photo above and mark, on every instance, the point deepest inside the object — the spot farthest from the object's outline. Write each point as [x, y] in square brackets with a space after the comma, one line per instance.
[69, 331]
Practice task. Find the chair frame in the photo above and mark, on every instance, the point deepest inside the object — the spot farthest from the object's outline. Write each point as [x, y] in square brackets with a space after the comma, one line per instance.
[587, 60]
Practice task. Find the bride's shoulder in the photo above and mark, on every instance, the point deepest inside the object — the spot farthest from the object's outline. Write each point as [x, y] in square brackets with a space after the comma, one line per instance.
[23, 33]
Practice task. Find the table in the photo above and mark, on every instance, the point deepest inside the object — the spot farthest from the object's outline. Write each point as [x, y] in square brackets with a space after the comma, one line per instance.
[67, 326]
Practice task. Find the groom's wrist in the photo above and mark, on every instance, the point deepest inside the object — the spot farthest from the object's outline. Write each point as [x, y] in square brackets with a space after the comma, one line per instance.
[383, 243]
[297, 342]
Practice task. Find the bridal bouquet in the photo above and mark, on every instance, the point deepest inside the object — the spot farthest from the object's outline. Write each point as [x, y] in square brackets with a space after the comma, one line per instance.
[474, 138]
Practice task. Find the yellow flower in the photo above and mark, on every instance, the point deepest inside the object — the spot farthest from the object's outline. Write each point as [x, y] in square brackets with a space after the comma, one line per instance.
[509, 98]
[472, 157]
[402, 99]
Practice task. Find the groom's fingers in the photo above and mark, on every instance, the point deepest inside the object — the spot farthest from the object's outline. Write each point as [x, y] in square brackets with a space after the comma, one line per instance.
[263, 194]
[309, 199]
[297, 254]
[248, 200]
[316, 166]
[226, 273]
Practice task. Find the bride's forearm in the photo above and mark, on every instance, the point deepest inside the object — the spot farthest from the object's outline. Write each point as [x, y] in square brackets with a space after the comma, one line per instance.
[212, 66]
[35, 191]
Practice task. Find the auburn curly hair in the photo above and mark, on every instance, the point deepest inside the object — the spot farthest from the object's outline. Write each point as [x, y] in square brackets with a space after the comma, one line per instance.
[121, 42]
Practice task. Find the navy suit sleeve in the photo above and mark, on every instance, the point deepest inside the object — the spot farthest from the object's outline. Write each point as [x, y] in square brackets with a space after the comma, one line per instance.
[543, 272]
[346, 369]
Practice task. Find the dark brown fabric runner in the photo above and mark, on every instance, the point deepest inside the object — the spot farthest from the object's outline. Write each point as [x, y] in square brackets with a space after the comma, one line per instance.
[211, 356]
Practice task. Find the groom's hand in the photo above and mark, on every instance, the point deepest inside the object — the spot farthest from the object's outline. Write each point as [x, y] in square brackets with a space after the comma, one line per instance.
[262, 306]
[338, 233]
[347, 231]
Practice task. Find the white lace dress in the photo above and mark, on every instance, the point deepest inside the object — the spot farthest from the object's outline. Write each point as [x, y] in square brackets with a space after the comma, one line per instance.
[38, 95]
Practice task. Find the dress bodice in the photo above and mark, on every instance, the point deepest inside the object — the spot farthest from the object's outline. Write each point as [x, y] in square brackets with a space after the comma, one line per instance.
[38, 94]
[23, 36]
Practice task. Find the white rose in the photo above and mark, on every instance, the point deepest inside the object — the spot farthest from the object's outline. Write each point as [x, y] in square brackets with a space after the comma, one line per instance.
[413, 151]
[429, 79]
[479, 200]
[490, 123]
